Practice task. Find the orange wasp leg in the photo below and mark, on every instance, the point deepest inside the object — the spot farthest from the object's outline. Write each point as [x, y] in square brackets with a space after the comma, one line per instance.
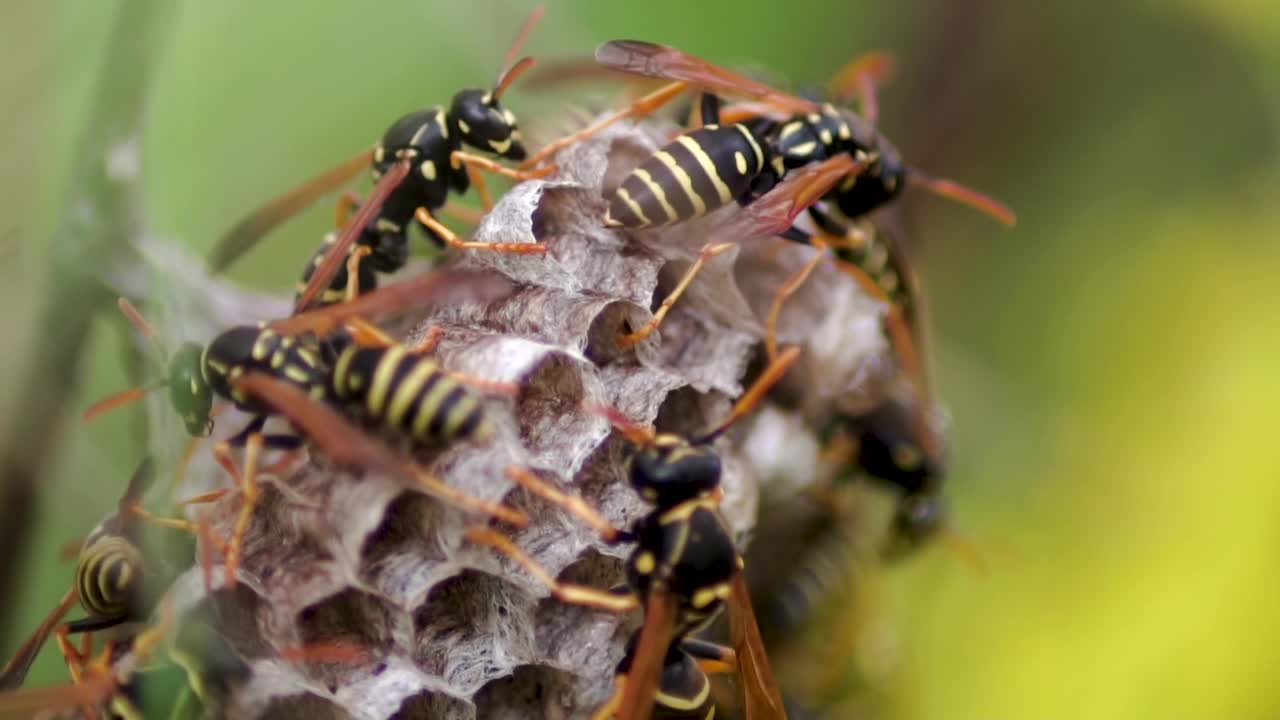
[452, 240]
[568, 592]
[644, 106]
[708, 251]
[571, 504]
[248, 484]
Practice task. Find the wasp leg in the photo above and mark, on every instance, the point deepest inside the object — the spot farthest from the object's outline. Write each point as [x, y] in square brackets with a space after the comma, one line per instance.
[452, 240]
[429, 341]
[348, 202]
[713, 658]
[481, 185]
[786, 290]
[568, 592]
[571, 504]
[248, 484]
[483, 163]
[640, 108]
[76, 660]
[358, 253]
[708, 251]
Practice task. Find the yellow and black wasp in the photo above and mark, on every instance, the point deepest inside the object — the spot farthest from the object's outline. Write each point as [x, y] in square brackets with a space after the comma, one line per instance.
[117, 580]
[737, 155]
[685, 570]
[303, 353]
[417, 164]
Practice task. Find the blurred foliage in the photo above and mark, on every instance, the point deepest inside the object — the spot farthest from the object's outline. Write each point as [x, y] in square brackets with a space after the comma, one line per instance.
[1110, 365]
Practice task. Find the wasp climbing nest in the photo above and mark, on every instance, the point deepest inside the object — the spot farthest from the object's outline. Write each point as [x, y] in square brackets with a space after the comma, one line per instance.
[447, 629]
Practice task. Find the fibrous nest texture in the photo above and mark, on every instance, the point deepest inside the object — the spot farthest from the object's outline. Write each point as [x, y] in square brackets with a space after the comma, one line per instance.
[447, 629]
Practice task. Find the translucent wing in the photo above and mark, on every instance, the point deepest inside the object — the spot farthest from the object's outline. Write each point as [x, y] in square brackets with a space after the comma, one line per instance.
[663, 61]
[778, 209]
[763, 698]
[641, 687]
[426, 289]
[246, 233]
[350, 446]
[337, 255]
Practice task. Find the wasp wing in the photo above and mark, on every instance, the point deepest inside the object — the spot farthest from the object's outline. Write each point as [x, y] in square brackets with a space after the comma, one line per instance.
[435, 287]
[777, 209]
[246, 233]
[641, 687]
[337, 255]
[638, 57]
[763, 697]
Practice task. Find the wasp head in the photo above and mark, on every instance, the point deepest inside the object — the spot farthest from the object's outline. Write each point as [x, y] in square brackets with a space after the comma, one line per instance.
[486, 125]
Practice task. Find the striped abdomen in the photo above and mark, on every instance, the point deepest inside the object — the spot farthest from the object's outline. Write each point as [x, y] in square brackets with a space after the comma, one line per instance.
[683, 691]
[390, 246]
[689, 177]
[408, 393]
[108, 575]
[337, 290]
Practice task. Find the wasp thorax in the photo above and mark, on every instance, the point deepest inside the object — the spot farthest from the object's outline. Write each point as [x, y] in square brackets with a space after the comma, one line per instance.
[673, 470]
[190, 394]
[485, 124]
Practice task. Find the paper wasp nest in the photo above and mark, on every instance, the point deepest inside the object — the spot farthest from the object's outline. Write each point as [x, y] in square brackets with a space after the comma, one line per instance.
[451, 630]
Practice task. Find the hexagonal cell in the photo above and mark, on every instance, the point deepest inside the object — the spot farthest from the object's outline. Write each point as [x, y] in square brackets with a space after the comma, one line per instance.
[434, 706]
[687, 412]
[288, 544]
[472, 628]
[614, 320]
[584, 639]
[550, 394]
[304, 706]
[348, 619]
[395, 555]
[531, 691]
[237, 609]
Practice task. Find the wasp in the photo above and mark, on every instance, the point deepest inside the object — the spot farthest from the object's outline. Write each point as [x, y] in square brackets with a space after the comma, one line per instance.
[304, 353]
[419, 161]
[685, 570]
[110, 684]
[736, 155]
[116, 581]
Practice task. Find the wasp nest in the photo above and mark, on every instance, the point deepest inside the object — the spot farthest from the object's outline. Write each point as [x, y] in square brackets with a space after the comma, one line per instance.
[451, 630]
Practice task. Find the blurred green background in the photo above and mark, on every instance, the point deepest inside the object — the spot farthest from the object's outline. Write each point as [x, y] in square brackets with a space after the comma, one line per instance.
[1110, 364]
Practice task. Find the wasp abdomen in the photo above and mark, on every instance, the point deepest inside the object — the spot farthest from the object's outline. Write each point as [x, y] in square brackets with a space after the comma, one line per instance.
[696, 173]
[408, 393]
[108, 575]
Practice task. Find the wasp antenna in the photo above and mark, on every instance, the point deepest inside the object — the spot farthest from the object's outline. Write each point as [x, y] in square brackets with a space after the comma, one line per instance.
[120, 399]
[531, 22]
[135, 317]
[246, 233]
[634, 431]
[508, 77]
[956, 192]
[751, 397]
